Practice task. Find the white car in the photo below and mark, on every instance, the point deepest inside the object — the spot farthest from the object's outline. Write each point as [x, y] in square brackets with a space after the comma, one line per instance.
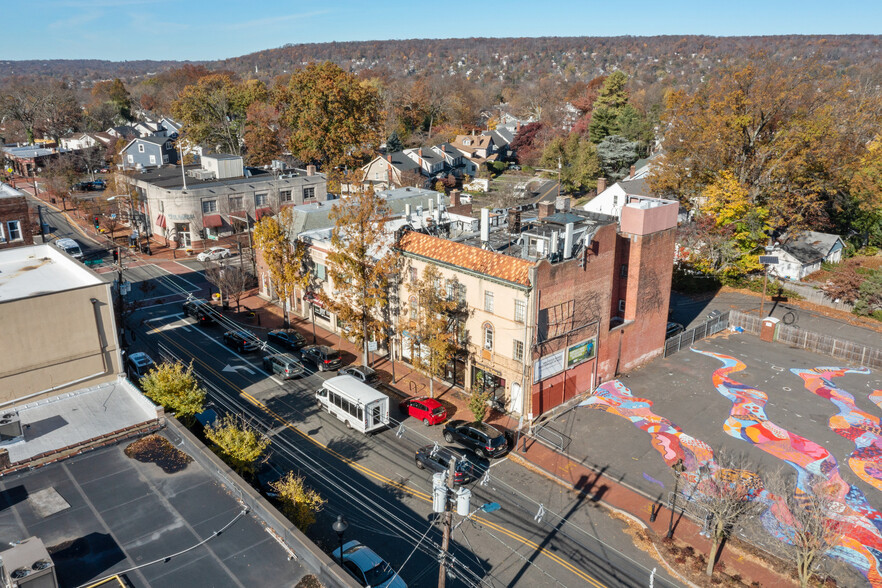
[214, 254]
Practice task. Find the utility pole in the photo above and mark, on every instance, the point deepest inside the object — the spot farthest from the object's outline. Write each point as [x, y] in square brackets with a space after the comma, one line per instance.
[448, 519]
[122, 299]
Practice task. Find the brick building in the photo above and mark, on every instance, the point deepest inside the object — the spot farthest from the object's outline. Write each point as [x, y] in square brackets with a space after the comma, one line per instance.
[16, 228]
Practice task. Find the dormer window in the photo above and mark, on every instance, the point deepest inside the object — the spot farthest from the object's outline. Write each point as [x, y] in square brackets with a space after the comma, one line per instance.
[467, 142]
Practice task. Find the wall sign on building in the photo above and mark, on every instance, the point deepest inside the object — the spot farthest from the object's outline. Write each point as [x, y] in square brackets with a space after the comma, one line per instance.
[581, 352]
[547, 366]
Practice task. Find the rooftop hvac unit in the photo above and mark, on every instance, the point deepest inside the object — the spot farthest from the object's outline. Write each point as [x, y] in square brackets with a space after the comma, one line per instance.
[10, 426]
[28, 565]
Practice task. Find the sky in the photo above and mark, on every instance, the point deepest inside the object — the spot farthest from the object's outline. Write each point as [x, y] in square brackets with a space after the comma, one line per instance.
[120, 30]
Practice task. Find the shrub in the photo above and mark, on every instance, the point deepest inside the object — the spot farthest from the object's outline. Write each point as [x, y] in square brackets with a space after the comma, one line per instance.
[238, 443]
[299, 503]
[478, 405]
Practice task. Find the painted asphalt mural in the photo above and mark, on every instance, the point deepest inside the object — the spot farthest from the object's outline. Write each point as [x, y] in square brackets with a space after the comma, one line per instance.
[861, 525]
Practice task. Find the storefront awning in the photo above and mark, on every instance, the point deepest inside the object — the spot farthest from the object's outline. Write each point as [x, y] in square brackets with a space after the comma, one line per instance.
[212, 221]
[160, 221]
[312, 299]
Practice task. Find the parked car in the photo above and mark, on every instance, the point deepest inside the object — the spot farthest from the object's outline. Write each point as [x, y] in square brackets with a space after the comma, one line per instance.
[437, 459]
[240, 341]
[138, 364]
[288, 339]
[368, 568]
[98, 185]
[362, 373]
[70, 247]
[283, 364]
[324, 357]
[485, 440]
[199, 309]
[425, 409]
[674, 329]
[213, 254]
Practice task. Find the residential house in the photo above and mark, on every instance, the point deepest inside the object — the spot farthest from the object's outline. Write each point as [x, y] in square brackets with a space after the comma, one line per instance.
[145, 152]
[802, 254]
[218, 198]
[391, 170]
[29, 160]
[477, 149]
[79, 141]
[16, 228]
[123, 132]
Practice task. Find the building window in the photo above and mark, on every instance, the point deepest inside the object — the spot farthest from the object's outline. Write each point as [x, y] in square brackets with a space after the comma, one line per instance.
[488, 336]
[488, 301]
[621, 305]
[520, 311]
[13, 229]
[320, 272]
[165, 158]
[2, 234]
[209, 206]
[413, 275]
[413, 308]
[140, 147]
[624, 271]
[260, 199]
[131, 158]
[152, 160]
[236, 203]
[461, 294]
[309, 194]
[518, 351]
[285, 195]
[451, 290]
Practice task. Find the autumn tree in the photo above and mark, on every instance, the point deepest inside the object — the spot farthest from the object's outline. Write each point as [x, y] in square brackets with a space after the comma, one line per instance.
[334, 119]
[239, 442]
[175, 387]
[432, 323]
[787, 132]
[577, 157]
[360, 265]
[527, 143]
[230, 280]
[861, 209]
[728, 495]
[213, 111]
[283, 253]
[115, 96]
[844, 285]
[299, 502]
[24, 101]
[263, 134]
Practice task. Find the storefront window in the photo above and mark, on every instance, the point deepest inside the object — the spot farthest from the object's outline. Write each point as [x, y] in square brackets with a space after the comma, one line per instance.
[486, 381]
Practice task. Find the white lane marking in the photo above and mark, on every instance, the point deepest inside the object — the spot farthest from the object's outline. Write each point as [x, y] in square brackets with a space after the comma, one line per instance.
[236, 368]
[165, 316]
[192, 285]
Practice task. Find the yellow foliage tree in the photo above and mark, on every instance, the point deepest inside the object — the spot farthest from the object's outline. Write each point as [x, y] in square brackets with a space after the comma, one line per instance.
[299, 503]
[284, 256]
[175, 388]
[237, 441]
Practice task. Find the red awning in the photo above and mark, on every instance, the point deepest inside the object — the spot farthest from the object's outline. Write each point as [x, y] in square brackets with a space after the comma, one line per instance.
[239, 216]
[212, 221]
[262, 212]
[312, 299]
[160, 221]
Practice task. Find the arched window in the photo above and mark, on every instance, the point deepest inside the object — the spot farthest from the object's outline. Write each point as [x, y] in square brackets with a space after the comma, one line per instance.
[488, 336]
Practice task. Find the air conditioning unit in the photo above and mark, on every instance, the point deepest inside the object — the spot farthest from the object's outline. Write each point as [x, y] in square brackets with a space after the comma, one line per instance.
[10, 426]
[27, 564]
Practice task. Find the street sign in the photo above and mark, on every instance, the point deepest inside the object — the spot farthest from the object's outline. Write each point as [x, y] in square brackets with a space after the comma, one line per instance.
[372, 345]
[768, 259]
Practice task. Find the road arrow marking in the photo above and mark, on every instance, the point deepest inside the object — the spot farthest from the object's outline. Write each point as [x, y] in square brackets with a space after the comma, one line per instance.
[236, 368]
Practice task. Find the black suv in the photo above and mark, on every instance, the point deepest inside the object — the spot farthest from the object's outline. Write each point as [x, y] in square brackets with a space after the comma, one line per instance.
[240, 341]
[437, 459]
[485, 440]
[199, 309]
[322, 356]
[289, 339]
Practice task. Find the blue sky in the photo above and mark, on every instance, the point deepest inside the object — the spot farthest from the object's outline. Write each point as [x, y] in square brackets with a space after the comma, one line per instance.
[200, 29]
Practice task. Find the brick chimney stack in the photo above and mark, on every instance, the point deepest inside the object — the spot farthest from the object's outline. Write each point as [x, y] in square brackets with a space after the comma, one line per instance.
[546, 209]
[601, 185]
[454, 198]
[310, 170]
[633, 171]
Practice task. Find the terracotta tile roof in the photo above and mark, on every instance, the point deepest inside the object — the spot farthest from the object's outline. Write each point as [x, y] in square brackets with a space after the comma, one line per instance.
[489, 263]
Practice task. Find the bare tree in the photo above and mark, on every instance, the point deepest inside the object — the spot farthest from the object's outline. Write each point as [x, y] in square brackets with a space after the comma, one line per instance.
[806, 518]
[727, 495]
[230, 280]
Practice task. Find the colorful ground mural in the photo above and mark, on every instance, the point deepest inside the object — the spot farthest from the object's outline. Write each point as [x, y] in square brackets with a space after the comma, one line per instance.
[860, 523]
[861, 544]
[852, 423]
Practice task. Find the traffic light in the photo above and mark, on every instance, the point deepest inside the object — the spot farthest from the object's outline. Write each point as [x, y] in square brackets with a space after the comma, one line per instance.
[97, 222]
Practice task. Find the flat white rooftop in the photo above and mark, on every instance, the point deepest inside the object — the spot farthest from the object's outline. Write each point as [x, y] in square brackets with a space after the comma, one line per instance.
[69, 419]
[40, 269]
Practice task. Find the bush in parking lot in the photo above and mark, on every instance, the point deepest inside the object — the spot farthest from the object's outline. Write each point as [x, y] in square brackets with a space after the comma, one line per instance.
[299, 503]
[175, 388]
[238, 443]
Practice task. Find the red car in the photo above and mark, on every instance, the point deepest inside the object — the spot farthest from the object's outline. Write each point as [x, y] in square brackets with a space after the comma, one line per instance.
[428, 410]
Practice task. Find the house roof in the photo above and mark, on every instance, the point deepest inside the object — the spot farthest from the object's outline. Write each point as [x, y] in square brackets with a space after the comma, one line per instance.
[400, 161]
[477, 142]
[500, 135]
[474, 259]
[810, 246]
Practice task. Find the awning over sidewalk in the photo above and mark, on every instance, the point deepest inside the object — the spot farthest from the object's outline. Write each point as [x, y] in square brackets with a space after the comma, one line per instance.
[312, 299]
[239, 216]
[212, 221]
[160, 221]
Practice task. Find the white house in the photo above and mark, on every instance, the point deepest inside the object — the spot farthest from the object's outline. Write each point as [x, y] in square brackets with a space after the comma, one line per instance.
[803, 254]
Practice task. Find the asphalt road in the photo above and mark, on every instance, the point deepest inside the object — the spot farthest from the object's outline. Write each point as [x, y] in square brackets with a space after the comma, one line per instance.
[374, 482]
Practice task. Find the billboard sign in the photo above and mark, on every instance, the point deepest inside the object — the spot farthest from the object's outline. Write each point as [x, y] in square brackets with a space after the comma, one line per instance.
[581, 352]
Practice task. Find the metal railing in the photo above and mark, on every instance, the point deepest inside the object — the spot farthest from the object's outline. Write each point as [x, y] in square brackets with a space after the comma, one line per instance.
[684, 340]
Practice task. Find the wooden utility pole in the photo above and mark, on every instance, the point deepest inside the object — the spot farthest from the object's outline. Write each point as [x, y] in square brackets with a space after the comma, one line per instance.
[448, 519]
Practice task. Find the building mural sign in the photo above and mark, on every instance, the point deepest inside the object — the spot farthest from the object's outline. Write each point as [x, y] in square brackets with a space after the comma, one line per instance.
[581, 352]
[547, 366]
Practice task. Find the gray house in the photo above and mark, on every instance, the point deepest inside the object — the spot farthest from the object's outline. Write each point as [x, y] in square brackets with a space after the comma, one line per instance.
[802, 254]
[149, 152]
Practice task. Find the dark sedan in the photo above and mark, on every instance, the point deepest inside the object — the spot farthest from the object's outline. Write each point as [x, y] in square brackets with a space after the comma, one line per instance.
[286, 338]
[437, 459]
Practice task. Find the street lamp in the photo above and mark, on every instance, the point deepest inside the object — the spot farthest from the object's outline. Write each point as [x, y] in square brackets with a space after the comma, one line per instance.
[340, 526]
[678, 468]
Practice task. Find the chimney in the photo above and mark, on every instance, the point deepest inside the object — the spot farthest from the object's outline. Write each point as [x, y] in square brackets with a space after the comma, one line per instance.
[407, 212]
[601, 185]
[546, 209]
[389, 159]
[454, 198]
[562, 203]
[485, 225]
[518, 127]
[568, 241]
[633, 171]
[310, 170]
[555, 244]
[431, 206]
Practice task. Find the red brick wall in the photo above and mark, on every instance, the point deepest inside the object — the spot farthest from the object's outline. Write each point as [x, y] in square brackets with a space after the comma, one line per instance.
[12, 208]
